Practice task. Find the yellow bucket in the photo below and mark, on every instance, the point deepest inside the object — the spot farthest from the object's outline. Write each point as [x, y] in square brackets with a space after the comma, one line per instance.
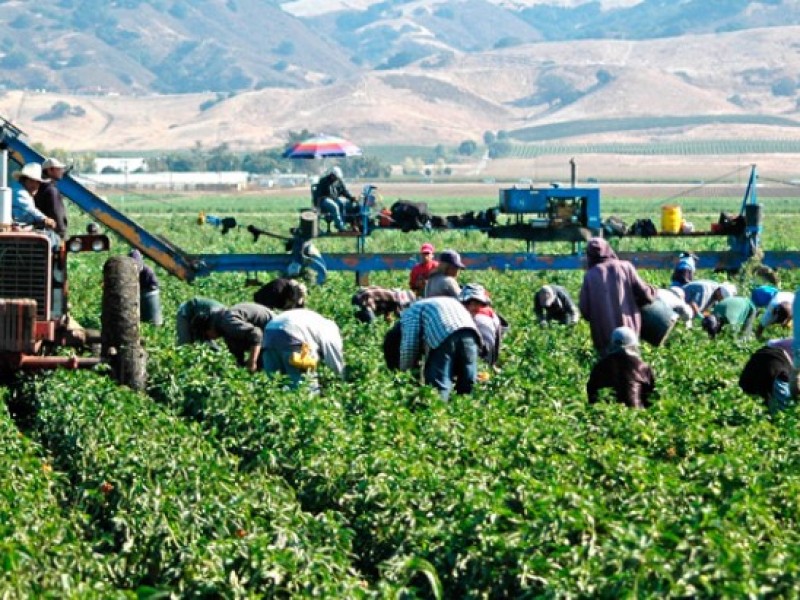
[671, 218]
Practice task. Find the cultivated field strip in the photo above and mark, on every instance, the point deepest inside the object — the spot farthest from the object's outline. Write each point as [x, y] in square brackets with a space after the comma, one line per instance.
[170, 511]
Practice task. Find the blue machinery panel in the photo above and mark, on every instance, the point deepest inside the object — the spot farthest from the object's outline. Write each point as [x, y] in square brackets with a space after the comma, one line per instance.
[546, 214]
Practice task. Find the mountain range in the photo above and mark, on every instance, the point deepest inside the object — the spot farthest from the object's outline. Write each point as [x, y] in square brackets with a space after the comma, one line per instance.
[150, 74]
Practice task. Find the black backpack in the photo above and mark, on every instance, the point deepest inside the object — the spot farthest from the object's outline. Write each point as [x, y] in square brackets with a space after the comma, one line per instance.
[410, 216]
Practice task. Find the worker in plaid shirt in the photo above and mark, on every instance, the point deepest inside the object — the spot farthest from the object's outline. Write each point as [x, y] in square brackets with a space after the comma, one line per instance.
[443, 330]
[373, 300]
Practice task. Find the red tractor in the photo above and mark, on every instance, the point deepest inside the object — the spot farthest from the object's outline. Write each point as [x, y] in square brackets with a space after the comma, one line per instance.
[35, 324]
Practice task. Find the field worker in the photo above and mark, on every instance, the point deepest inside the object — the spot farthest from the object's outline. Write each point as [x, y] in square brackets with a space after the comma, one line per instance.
[674, 298]
[767, 374]
[701, 295]
[491, 326]
[330, 191]
[422, 270]
[763, 295]
[684, 270]
[444, 279]
[297, 340]
[187, 312]
[48, 198]
[241, 327]
[778, 312]
[622, 370]
[443, 331]
[553, 303]
[736, 311]
[282, 293]
[611, 294]
[23, 207]
[373, 301]
[149, 292]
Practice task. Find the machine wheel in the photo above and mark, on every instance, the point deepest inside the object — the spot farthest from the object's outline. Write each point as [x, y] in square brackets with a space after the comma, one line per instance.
[120, 343]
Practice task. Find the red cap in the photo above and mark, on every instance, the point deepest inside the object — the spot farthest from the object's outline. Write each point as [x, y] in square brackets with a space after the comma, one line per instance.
[426, 247]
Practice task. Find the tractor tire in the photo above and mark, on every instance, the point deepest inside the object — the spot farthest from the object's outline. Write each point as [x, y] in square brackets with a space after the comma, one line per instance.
[121, 347]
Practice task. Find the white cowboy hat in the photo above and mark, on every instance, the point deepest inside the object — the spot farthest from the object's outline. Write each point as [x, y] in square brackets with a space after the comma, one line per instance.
[29, 171]
[53, 163]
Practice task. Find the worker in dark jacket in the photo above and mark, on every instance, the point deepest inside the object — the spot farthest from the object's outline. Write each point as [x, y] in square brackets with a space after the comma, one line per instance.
[767, 374]
[622, 370]
[330, 191]
[48, 198]
[282, 293]
[187, 312]
[553, 303]
[242, 328]
[612, 294]
[149, 292]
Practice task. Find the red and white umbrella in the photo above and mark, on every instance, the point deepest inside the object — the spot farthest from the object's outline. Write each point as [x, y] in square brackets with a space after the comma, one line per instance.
[322, 146]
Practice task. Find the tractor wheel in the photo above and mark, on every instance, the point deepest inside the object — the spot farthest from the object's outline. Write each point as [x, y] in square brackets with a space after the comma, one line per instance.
[120, 343]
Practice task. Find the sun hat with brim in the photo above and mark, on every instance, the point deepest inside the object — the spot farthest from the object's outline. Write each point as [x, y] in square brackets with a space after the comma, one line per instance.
[31, 171]
[474, 291]
[53, 163]
[451, 257]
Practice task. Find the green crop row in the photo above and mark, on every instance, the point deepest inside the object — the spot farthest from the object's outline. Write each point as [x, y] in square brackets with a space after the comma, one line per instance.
[676, 148]
[170, 511]
[523, 489]
[42, 553]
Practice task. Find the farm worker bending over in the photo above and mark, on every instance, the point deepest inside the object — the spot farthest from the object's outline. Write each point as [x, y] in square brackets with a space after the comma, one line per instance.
[622, 370]
[23, 208]
[373, 301]
[684, 270]
[611, 294]
[282, 293]
[553, 303]
[491, 326]
[673, 297]
[242, 328]
[330, 191]
[187, 312]
[296, 340]
[443, 331]
[767, 374]
[422, 270]
[736, 311]
[48, 198]
[779, 312]
[149, 292]
[701, 295]
[443, 281]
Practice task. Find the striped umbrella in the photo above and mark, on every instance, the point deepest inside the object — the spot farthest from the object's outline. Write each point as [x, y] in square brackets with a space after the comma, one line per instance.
[322, 146]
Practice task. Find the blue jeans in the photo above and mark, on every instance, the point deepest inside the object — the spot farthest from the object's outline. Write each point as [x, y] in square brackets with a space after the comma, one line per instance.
[333, 207]
[456, 358]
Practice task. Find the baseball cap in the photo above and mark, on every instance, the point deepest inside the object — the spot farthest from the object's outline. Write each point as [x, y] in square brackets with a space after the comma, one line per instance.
[451, 257]
[474, 291]
[427, 247]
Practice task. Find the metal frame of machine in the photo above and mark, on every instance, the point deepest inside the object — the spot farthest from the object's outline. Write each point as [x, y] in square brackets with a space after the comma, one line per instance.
[568, 214]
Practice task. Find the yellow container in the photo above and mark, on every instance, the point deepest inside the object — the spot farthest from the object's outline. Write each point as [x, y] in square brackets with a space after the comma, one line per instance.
[671, 218]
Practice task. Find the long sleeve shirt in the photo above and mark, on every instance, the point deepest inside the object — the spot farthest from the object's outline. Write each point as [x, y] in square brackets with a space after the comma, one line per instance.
[629, 376]
[427, 323]
[303, 326]
[768, 318]
[48, 200]
[242, 323]
[23, 208]
[383, 301]
[562, 309]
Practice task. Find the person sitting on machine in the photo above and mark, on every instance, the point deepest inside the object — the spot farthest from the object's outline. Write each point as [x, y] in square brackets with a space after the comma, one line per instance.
[23, 208]
[328, 197]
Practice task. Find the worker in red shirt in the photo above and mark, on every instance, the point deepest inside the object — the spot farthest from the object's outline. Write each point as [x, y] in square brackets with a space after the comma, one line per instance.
[422, 270]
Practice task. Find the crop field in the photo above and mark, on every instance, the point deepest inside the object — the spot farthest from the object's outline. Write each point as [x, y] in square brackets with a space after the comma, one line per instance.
[215, 482]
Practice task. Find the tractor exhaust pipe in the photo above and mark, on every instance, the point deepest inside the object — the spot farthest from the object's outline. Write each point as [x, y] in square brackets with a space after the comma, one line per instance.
[572, 171]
